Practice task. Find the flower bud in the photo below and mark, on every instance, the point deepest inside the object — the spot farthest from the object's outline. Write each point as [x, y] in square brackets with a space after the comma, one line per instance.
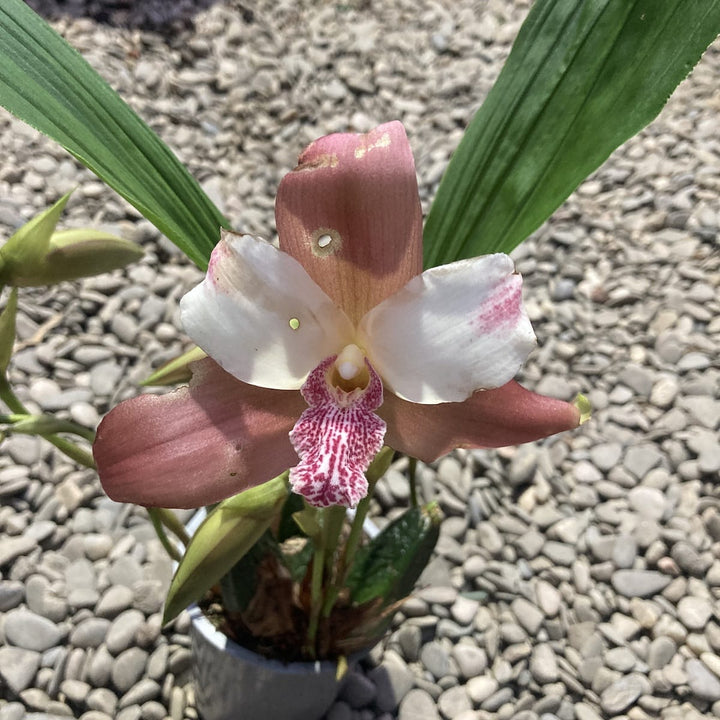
[37, 254]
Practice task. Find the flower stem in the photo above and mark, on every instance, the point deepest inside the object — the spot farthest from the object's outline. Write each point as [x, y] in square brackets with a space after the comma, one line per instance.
[412, 479]
[315, 598]
[377, 469]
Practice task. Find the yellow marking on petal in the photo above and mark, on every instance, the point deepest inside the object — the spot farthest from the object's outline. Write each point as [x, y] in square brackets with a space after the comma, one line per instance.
[294, 323]
[382, 142]
[325, 241]
[328, 160]
[584, 406]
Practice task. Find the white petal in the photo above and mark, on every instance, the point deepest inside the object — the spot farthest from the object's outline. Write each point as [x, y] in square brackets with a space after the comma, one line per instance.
[450, 331]
[260, 315]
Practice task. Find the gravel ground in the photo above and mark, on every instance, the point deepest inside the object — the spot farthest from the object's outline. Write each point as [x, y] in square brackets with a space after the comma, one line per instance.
[576, 578]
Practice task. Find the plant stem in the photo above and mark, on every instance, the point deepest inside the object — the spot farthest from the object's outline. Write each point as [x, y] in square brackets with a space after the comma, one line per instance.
[172, 551]
[65, 446]
[412, 479]
[377, 469]
[334, 521]
[315, 598]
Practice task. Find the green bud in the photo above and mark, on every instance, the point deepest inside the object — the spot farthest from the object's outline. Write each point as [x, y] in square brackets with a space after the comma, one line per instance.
[7, 331]
[37, 254]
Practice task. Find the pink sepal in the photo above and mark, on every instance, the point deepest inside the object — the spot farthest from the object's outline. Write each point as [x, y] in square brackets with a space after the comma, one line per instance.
[507, 415]
[198, 444]
[361, 191]
[336, 438]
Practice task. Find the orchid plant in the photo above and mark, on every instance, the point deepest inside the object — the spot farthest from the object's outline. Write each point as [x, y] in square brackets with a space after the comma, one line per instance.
[322, 358]
[325, 350]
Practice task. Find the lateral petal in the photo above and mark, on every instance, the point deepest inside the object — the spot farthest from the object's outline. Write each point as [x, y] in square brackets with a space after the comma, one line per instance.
[508, 415]
[260, 316]
[350, 214]
[198, 444]
[451, 331]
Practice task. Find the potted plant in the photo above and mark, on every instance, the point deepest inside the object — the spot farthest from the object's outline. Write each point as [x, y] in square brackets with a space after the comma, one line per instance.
[325, 357]
[335, 351]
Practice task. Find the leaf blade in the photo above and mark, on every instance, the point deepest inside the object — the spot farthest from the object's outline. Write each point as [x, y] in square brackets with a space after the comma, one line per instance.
[47, 84]
[582, 77]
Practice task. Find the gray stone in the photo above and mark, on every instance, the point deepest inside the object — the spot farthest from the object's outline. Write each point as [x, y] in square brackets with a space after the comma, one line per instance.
[12, 711]
[27, 630]
[436, 659]
[664, 392]
[41, 600]
[688, 558]
[13, 547]
[605, 456]
[639, 583]
[89, 633]
[153, 710]
[18, 667]
[410, 640]
[543, 664]
[114, 600]
[649, 502]
[454, 701]
[358, 691]
[640, 459]
[621, 694]
[528, 616]
[559, 553]
[123, 630]
[418, 705]
[703, 683]
[80, 573]
[694, 612]
[481, 688]
[11, 594]
[393, 680]
[128, 668]
[621, 659]
[75, 691]
[126, 570]
[470, 659]
[149, 596]
[100, 669]
[144, 691]
[585, 712]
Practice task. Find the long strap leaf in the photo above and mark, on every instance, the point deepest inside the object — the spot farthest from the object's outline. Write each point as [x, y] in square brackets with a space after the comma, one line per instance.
[582, 77]
[47, 84]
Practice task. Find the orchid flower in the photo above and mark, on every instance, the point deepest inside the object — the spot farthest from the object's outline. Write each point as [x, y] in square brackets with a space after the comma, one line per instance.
[334, 344]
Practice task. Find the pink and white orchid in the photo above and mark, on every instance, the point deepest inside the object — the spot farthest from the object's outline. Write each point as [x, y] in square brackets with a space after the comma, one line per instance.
[331, 346]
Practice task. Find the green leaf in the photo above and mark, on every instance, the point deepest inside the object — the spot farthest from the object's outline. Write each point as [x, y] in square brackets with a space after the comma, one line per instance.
[582, 77]
[390, 564]
[238, 585]
[7, 331]
[46, 83]
[223, 538]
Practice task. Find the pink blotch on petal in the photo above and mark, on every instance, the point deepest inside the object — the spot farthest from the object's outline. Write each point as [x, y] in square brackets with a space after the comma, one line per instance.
[502, 309]
[336, 438]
